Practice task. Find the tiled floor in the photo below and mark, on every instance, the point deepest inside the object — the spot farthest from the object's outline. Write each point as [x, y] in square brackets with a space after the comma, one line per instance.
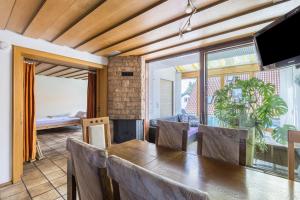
[46, 178]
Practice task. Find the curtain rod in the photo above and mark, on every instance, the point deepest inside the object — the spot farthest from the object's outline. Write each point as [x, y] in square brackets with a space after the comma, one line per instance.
[37, 62]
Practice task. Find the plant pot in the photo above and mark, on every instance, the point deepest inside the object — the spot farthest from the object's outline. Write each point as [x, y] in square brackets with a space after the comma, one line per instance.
[250, 147]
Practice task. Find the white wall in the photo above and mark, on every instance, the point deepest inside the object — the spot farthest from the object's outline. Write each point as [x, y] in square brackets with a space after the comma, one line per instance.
[156, 73]
[5, 115]
[6, 88]
[59, 96]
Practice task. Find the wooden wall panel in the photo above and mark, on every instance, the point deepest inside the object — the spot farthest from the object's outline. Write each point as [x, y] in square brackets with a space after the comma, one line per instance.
[102, 95]
[69, 17]
[200, 19]
[19, 53]
[6, 7]
[42, 67]
[158, 15]
[206, 42]
[212, 31]
[17, 115]
[104, 17]
[48, 14]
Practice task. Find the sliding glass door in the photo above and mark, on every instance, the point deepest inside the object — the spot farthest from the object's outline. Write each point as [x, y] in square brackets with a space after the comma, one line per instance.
[231, 70]
[223, 67]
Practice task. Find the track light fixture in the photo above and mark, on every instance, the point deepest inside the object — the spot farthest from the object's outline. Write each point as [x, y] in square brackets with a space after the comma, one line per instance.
[189, 8]
[187, 26]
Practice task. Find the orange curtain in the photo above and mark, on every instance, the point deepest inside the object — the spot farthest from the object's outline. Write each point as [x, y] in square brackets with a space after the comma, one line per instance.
[91, 96]
[29, 151]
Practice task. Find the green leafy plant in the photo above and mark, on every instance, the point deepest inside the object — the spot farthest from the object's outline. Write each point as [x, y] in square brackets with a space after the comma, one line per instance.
[255, 107]
[280, 134]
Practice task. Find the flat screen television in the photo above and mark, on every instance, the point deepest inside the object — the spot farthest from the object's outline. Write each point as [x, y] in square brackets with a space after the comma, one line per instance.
[279, 42]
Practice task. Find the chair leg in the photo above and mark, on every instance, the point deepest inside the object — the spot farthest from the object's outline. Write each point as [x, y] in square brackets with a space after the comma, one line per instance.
[71, 182]
[291, 160]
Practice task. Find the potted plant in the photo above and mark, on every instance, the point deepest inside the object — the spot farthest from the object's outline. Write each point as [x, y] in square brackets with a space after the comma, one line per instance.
[280, 134]
[250, 104]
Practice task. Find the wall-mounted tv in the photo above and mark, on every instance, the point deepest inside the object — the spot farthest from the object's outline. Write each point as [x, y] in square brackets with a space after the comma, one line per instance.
[279, 42]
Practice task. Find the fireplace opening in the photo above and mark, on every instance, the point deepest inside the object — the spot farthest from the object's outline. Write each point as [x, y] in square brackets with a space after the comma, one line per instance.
[128, 129]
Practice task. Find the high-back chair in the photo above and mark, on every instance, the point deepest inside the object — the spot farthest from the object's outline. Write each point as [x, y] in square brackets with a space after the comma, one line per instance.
[96, 131]
[293, 137]
[136, 183]
[224, 144]
[173, 135]
[89, 167]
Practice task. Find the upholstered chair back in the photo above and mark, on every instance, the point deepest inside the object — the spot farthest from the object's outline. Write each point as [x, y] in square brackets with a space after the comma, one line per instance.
[136, 183]
[89, 168]
[224, 144]
[172, 135]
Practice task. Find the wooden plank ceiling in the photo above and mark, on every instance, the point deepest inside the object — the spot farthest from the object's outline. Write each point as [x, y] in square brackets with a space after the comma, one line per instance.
[47, 69]
[136, 27]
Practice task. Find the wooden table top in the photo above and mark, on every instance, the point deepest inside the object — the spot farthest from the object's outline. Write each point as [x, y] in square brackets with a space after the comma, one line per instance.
[220, 180]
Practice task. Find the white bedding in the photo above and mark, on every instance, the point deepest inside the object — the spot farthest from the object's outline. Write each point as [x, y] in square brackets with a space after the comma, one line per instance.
[56, 120]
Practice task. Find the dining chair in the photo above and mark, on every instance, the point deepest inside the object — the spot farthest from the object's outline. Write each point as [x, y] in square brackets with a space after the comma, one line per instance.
[293, 137]
[173, 135]
[224, 144]
[89, 167]
[96, 131]
[136, 183]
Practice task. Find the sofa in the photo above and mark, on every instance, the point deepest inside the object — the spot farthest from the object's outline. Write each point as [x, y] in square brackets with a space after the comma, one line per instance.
[191, 119]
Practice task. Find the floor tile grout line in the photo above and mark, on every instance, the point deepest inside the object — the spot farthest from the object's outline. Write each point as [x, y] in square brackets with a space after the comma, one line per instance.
[47, 177]
[49, 183]
[36, 167]
[26, 189]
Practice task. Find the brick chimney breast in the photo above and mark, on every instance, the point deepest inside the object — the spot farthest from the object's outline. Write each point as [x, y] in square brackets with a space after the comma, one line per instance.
[126, 87]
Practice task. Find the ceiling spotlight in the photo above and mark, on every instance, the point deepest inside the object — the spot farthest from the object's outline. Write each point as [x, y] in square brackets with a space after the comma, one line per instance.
[189, 8]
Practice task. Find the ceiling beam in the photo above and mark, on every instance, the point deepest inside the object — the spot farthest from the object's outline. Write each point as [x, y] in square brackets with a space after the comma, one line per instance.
[48, 69]
[72, 76]
[213, 35]
[122, 22]
[63, 75]
[208, 24]
[67, 68]
[79, 19]
[163, 24]
[80, 77]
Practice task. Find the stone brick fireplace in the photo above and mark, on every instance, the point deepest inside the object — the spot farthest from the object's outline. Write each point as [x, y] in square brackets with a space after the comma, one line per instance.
[126, 97]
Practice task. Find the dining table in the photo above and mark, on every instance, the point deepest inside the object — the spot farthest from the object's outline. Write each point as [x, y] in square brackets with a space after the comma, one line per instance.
[219, 179]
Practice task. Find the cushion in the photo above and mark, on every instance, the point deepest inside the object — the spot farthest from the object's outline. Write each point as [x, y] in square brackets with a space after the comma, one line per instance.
[97, 136]
[57, 116]
[80, 114]
[153, 122]
[192, 131]
[194, 123]
[183, 117]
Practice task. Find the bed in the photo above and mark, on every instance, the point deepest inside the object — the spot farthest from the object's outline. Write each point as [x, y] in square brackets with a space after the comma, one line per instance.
[59, 121]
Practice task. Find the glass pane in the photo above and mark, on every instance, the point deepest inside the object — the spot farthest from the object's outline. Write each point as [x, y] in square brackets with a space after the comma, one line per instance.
[213, 84]
[225, 67]
[266, 103]
[239, 56]
[179, 74]
[189, 95]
